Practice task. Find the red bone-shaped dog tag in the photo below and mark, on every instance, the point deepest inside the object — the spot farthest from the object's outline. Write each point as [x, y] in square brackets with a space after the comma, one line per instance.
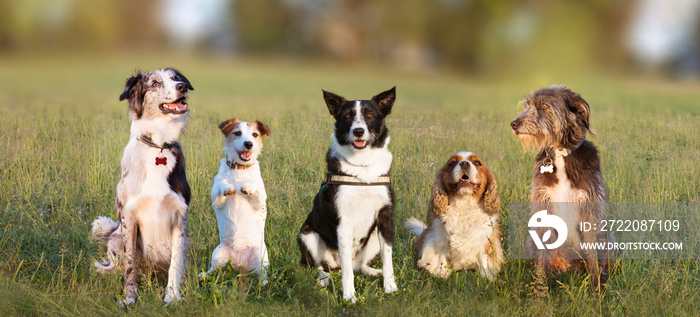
[161, 161]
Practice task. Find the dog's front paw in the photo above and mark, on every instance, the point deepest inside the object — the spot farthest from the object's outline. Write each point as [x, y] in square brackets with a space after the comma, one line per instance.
[228, 191]
[442, 271]
[125, 303]
[171, 297]
[485, 272]
[350, 298]
[390, 286]
[247, 191]
[540, 290]
[323, 281]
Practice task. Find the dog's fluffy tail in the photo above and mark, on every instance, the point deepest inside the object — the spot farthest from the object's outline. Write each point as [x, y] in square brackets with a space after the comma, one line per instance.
[415, 226]
[105, 229]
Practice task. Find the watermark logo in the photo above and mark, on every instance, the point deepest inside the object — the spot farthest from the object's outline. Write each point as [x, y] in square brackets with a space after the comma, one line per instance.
[542, 220]
[629, 230]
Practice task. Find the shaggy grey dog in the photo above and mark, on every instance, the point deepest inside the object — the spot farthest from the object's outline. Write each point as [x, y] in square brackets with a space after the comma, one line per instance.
[555, 121]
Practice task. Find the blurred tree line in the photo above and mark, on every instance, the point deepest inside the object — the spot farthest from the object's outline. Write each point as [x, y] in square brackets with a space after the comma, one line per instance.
[473, 35]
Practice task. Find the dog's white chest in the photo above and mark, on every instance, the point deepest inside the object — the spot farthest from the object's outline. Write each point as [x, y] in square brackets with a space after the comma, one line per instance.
[563, 192]
[241, 215]
[469, 229]
[158, 166]
[233, 176]
[358, 207]
[146, 171]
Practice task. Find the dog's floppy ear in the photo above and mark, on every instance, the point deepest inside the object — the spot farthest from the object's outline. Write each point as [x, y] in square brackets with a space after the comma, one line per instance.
[580, 108]
[227, 126]
[438, 199]
[264, 130]
[333, 102]
[133, 92]
[131, 83]
[492, 202]
[180, 77]
[385, 100]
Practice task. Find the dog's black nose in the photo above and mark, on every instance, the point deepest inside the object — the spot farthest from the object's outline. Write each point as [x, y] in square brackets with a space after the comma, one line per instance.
[181, 87]
[248, 145]
[358, 132]
[464, 163]
[515, 124]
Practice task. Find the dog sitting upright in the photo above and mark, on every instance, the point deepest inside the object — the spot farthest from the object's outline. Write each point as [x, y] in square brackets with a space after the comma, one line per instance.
[351, 220]
[239, 199]
[153, 194]
[463, 232]
[555, 121]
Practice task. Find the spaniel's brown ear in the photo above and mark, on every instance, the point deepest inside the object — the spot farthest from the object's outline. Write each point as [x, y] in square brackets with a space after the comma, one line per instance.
[439, 200]
[492, 203]
[227, 126]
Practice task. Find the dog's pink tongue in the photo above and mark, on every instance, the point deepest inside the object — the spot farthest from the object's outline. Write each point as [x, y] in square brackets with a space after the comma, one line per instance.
[177, 106]
[246, 155]
[360, 143]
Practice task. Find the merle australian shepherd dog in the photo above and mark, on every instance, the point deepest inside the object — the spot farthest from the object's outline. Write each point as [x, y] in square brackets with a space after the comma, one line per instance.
[351, 222]
[153, 195]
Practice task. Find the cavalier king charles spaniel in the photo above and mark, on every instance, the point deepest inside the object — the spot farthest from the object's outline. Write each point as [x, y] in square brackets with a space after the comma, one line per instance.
[462, 231]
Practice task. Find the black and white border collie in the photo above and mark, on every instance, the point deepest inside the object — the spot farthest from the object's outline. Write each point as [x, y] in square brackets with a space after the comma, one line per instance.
[351, 222]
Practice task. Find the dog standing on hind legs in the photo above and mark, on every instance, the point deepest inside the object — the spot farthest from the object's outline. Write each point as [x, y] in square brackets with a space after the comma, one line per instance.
[153, 195]
[351, 222]
[239, 199]
[555, 121]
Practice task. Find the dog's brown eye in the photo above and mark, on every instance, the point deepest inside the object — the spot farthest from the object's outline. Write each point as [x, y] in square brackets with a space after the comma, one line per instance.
[255, 135]
[369, 115]
[453, 163]
[237, 133]
[545, 106]
[155, 84]
[347, 116]
[477, 163]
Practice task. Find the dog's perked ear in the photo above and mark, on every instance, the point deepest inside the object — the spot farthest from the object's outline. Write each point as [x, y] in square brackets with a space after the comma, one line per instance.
[227, 126]
[181, 78]
[264, 130]
[580, 108]
[133, 92]
[492, 202]
[385, 100]
[333, 102]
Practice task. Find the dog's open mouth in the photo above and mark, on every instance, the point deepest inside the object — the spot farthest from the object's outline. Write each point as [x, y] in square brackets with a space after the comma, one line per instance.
[465, 181]
[177, 107]
[245, 155]
[359, 144]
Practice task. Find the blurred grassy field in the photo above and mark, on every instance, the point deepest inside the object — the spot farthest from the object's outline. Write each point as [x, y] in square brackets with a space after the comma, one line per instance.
[63, 131]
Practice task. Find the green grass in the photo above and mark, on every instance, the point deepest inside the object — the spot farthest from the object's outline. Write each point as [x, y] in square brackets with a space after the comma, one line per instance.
[63, 131]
